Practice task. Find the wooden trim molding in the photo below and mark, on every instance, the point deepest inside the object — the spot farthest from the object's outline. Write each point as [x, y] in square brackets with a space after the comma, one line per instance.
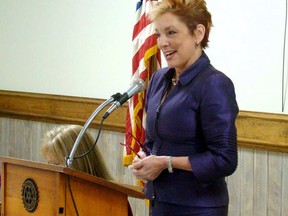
[267, 131]
[58, 109]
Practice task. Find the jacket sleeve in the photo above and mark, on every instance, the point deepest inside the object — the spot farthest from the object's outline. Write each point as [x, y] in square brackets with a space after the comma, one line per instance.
[218, 112]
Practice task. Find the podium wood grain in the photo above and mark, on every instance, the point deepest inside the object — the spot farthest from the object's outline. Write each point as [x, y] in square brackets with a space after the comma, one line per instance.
[93, 196]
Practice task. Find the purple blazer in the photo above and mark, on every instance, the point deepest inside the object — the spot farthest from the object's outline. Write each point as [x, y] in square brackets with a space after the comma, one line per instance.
[197, 119]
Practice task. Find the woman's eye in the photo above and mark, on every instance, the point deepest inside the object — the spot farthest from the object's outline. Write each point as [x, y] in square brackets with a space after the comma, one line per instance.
[157, 35]
[171, 32]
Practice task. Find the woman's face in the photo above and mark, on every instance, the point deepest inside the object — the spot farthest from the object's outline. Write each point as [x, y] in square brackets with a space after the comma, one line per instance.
[176, 42]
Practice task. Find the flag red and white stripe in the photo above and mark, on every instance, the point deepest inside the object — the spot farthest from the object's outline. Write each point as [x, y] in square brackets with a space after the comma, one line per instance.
[146, 60]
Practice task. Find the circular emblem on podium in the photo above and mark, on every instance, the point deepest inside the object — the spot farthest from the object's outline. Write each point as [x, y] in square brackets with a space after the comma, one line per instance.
[30, 195]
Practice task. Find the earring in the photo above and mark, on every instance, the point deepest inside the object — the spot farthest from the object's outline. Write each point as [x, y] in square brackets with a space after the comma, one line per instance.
[196, 44]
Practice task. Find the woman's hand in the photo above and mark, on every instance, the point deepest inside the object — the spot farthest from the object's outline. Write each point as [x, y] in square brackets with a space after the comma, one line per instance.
[148, 168]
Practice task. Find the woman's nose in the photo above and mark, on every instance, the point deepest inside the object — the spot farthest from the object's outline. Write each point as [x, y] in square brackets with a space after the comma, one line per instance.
[162, 42]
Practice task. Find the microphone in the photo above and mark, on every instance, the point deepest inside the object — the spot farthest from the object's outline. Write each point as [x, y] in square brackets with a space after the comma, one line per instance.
[137, 86]
[69, 160]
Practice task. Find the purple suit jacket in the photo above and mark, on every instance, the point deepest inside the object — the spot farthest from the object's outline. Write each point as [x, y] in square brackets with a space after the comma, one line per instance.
[197, 119]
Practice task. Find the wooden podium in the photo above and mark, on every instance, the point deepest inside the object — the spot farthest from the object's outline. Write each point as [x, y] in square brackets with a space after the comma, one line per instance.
[32, 188]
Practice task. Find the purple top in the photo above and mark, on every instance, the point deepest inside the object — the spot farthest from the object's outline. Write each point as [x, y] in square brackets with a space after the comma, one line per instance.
[197, 119]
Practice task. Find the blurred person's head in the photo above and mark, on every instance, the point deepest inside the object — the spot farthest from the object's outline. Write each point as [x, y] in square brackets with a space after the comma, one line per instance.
[58, 143]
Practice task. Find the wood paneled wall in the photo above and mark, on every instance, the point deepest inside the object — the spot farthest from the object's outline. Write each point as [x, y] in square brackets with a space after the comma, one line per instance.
[258, 187]
[266, 131]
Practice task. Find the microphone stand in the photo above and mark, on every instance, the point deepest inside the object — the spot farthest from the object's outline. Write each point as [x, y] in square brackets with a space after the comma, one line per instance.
[69, 160]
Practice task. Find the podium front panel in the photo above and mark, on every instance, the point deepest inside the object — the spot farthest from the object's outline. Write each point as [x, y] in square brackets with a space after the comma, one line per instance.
[30, 188]
[45, 197]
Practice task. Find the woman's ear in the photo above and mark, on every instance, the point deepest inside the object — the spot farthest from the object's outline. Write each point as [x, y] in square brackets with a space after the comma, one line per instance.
[199, 33]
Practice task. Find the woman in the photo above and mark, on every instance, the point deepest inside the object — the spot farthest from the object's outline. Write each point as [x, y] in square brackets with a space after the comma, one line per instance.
[190, 124]
[58, 143]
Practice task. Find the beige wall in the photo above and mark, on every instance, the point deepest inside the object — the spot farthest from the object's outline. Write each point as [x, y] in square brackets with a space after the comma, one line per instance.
[72, 47]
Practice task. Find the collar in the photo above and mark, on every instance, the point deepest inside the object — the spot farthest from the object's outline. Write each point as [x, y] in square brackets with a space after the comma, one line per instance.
[191, 72]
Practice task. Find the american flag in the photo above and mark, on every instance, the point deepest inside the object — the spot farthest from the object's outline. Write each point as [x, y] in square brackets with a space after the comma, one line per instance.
[146, 60]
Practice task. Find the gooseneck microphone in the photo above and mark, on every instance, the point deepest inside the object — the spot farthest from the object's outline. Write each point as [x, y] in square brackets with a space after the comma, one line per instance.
[69, 160]
[137, 86]
[118, 99]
